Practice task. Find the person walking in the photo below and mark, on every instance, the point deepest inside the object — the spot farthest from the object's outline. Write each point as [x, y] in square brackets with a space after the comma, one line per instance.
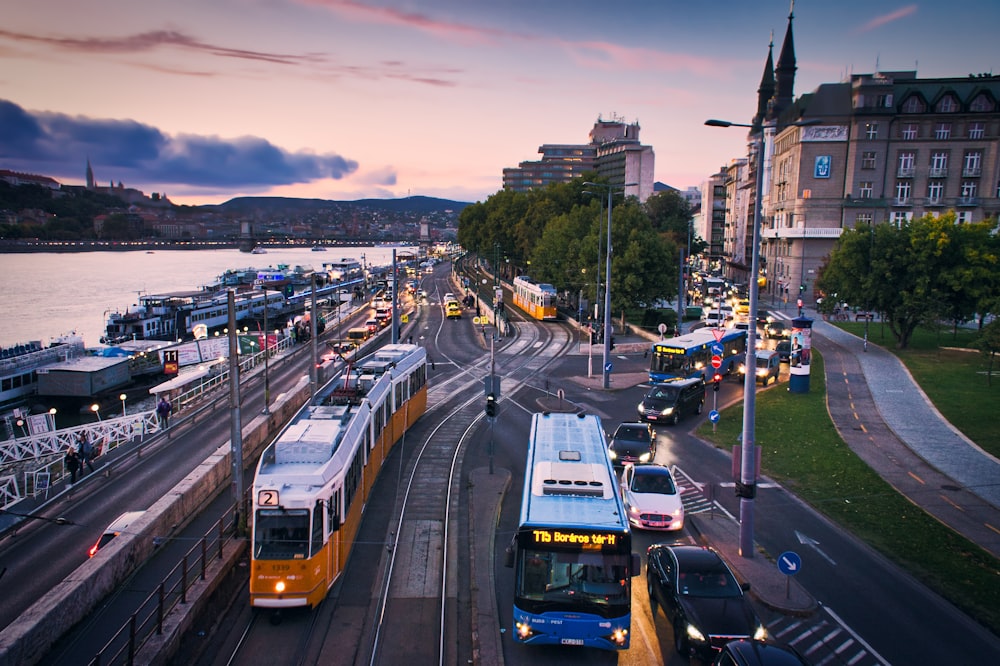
[163, 410]
[72, 463]
[86, 451]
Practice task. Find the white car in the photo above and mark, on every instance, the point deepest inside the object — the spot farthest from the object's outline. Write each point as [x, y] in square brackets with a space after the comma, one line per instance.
[652, 500]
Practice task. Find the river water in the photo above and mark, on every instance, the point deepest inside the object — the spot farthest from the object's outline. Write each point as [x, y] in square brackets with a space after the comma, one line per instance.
[52, 294]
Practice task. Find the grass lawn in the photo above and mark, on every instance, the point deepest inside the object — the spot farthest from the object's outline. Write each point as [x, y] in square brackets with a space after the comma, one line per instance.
[819, 467]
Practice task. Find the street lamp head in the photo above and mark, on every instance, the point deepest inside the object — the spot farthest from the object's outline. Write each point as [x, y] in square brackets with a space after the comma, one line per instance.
[95, 408]
[712, 122]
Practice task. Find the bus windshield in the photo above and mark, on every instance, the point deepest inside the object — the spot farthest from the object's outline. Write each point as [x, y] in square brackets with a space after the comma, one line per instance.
[281, 534]
[559, 580]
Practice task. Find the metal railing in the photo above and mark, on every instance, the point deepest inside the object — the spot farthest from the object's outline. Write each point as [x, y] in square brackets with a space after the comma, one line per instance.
[148, 619]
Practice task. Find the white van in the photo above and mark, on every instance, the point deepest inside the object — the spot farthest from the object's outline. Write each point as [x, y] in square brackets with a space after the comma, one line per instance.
[768, 365]
[117, 526]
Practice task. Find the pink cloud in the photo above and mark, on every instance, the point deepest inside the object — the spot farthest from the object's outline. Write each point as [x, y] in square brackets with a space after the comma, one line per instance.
[879, 21]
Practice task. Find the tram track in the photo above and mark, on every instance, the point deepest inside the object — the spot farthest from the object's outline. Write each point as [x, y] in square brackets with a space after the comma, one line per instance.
[414, 592]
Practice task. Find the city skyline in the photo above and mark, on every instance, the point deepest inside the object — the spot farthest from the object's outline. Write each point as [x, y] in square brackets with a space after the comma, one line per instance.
[343, 99]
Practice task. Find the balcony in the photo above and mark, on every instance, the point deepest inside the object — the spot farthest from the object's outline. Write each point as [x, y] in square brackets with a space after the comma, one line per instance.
[933, 202]
[967, 201]
[972, 172]
[938, 172]
[905, 172]
[902, 201]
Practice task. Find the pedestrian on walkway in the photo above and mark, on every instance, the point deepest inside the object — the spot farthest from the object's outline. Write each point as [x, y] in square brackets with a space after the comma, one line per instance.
[163, 410]
[85, 451]
[72, 463]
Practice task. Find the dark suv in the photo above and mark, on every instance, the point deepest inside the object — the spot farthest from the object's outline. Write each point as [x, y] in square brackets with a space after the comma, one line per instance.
[669, 401]
[632, 443]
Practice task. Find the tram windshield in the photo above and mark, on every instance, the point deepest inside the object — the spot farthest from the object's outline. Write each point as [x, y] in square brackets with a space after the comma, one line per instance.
[281, 535]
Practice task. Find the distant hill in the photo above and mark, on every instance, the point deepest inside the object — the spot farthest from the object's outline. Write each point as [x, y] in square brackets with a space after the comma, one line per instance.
[417, 204]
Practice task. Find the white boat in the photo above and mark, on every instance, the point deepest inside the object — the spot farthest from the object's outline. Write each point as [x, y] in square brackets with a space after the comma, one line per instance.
[19, 364]
[258, 250]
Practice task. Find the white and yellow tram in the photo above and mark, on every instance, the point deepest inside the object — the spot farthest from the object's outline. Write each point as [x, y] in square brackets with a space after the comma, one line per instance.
[537, 300]
[313, 481]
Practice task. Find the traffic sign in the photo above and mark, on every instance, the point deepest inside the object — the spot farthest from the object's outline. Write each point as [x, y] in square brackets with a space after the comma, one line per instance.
[789, 563]
[716, 361]
[476, 320]
[718, 333]
[713, 416]
[716, 348]
[607, 368]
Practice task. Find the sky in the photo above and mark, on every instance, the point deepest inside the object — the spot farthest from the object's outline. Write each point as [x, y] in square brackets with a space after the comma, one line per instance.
[205, 100]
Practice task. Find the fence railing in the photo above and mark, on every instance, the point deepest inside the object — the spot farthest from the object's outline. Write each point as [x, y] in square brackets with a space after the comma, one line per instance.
[148, 619]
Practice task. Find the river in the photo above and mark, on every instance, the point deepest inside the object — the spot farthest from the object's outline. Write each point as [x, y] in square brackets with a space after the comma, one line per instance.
[52, 294]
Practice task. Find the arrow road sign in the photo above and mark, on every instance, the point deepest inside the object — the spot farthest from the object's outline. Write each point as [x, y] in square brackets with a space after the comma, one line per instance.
[713, 416]
[789, 563]
[716, 348]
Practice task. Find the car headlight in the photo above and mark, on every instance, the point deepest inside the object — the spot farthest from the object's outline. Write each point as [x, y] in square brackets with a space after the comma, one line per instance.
[612, 454]
[694, 634]
[641, 407]
[667, 411]
[760, 634]
[644, 457]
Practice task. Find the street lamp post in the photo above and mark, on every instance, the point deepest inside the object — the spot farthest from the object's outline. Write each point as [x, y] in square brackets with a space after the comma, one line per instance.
[267, 383]
[746, 488]
[122, 397]
[97, 410]
[606, 367]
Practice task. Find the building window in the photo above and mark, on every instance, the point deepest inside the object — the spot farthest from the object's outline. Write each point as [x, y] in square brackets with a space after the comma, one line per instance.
[939, 165]
[871, 131]
[942, 131]
[947, 105]
[899, 217]
[963, 217]
[973, 165]
[977, 130]
[913, 104]
[903, 192]
[981, 104]
[863, 218]
[968, 189]
[907, 158]
[910, 131]
[935, 190]
[865, 189]
[868, 160]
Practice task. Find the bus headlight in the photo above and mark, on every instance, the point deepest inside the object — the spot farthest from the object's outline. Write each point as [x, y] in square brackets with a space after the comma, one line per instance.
[279, 587]
[524, 631]
[619, 636]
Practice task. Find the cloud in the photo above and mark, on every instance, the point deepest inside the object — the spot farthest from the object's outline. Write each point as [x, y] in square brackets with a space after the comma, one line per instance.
[59, 145]
[879, 21]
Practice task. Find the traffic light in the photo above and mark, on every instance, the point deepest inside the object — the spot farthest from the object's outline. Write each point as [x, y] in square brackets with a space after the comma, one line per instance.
[716, 381]
[491, 405]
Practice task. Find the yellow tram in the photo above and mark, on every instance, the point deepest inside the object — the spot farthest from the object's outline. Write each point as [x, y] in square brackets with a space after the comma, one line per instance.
[312, 482]
[537, 300]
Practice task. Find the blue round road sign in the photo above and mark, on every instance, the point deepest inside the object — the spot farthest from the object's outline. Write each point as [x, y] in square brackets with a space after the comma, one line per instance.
[607, 368]
[713, 416]
[716, 348]
[789, 563]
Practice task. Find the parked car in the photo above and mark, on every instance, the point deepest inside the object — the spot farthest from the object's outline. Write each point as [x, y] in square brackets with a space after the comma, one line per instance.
[117, 526]
[755, 653]
[652, 500]
[632, 443]
[669, 401]
[701, 598]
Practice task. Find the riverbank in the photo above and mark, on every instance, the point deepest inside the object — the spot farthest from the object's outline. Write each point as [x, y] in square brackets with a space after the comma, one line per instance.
[21, 246]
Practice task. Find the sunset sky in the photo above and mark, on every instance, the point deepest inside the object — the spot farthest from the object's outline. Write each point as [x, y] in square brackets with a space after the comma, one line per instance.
[204, 100]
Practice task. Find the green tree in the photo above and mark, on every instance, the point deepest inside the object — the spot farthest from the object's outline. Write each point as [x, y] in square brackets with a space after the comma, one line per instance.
[989, 342]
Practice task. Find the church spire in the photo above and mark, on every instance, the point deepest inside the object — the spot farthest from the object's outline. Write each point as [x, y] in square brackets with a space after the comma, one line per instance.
[90, 176]
[766, 90]
[785, 71]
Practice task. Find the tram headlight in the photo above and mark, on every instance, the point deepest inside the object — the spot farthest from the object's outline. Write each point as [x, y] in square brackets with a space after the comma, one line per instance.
[279, 587]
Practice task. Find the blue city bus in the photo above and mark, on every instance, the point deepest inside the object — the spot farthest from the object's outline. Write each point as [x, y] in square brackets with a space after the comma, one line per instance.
[690, 355]
[572, 552]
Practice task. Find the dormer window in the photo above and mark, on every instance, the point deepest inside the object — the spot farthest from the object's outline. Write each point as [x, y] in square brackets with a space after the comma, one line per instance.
[913, 104]
[981, 104]
[947, 105]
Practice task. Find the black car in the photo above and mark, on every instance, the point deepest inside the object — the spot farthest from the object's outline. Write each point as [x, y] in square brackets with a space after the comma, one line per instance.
[786, 353]
[632, 443]
[669, 401]
[755, 653]
[701, 598]
[777, 330]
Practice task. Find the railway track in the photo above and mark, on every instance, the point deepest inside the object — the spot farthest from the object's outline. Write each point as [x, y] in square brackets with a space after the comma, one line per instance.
[411, 546]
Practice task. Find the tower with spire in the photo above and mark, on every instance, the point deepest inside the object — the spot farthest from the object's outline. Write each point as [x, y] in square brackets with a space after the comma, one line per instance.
[90, 176]
[784, 73]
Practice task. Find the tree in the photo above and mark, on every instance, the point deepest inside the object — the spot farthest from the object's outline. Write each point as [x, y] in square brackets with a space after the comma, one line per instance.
[919, 273]
[989, 342]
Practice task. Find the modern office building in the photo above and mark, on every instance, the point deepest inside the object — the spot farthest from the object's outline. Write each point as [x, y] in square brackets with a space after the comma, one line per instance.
[885, 147]
[614, 152]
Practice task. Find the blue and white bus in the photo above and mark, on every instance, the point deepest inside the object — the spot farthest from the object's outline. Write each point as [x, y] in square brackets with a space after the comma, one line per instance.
[572, 552]
[690, 355]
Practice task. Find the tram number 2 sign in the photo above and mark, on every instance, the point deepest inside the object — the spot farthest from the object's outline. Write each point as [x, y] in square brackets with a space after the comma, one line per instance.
[267, 498]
